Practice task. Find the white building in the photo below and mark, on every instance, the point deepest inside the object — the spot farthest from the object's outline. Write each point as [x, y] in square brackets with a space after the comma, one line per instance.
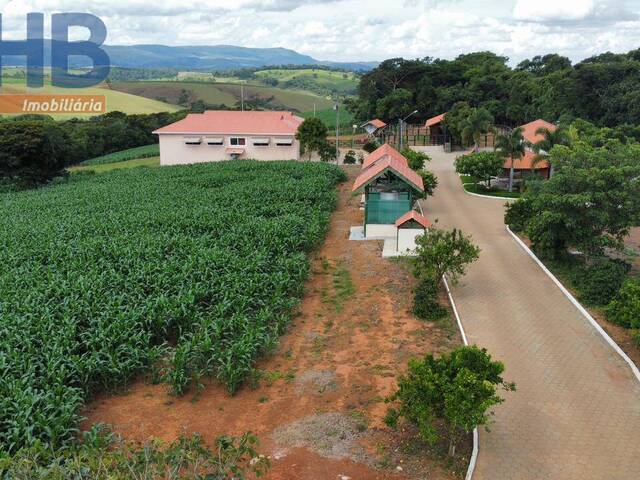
[215, 136]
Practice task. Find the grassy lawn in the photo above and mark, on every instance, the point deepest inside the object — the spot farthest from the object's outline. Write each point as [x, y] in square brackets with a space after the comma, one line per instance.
[117, 165]
[328, 116]
[124, 155]
[471, 187]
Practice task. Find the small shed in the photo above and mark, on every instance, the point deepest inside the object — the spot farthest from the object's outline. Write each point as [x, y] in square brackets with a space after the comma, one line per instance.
[435, 125]
[373, 126]
[410, 226]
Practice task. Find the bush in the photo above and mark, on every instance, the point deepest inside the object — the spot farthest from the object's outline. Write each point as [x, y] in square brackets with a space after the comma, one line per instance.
[425, 301]
[599, 283]
[480, 165]
[415, 159]
[459, 388]
[624, 310]
[636, 338]
[350, 158]
[370, 146]
[518, 215]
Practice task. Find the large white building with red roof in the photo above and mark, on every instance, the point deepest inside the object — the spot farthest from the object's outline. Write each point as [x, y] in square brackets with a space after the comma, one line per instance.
[219, 135]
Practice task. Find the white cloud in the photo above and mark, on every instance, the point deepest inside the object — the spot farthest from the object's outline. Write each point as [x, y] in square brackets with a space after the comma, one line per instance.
[545, 10]
[351, 30]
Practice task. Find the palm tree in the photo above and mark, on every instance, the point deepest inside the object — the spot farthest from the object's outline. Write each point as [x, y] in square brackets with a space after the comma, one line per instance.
[551, 138]
[478, 122]
[511, 146]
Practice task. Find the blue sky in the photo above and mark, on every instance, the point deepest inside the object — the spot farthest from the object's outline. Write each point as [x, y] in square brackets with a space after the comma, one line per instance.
[350, 30]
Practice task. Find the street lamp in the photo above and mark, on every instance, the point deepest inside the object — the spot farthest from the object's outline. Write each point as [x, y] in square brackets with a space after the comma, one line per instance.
[402, 124]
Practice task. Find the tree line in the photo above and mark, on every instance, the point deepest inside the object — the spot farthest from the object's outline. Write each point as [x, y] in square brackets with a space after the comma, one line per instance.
[604, 89]
[34, 149]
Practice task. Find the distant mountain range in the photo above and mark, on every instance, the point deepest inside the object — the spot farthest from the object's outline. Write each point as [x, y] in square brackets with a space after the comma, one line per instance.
[215, 57]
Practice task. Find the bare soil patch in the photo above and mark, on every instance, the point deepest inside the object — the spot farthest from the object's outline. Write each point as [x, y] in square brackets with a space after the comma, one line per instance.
[318, 403]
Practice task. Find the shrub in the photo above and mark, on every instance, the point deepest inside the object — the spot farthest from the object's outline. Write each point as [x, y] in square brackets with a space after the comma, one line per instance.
[443, 252]
[415, 159]
[518, 215]
[599, 283]
[636, 338]
[425, 301]
[480, 165]
[350, 158]
[624, 309]
[370, 146]
[459, 388]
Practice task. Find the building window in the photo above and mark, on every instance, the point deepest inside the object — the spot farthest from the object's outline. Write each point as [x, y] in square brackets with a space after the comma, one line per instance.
[284, 142]
[215, 141]
[237, 141]
[260, 142]
[193, 141]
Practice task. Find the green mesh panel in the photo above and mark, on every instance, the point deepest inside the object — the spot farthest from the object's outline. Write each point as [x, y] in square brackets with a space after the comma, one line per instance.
[386, 212]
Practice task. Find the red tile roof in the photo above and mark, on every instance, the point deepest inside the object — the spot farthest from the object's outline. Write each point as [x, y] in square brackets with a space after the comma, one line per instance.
[376, 122]
[396, 166]
[527, 162]
[435, 120]
[232, 122]
[385, 150]
[530, 129]
[415, 216]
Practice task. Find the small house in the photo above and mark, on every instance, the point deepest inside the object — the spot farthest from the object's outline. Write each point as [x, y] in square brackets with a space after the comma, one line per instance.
[409, 227]
[215, 136]
[390, 188]
[372, 127]
[530, 162]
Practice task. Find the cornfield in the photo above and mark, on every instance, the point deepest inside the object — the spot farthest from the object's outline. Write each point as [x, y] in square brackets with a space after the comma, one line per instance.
[195, 268]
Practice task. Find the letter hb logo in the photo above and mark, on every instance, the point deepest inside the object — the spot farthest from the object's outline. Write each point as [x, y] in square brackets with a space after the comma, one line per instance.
[61, 49]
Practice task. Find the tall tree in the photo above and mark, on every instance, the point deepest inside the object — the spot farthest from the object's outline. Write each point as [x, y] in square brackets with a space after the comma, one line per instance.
[551, 138]
[478, 122]
[312, 135]
[511, 147]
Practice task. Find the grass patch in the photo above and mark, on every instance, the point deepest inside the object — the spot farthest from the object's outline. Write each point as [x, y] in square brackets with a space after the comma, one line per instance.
[343, 287]
[468, 183]
[146, 151]
[125, 164]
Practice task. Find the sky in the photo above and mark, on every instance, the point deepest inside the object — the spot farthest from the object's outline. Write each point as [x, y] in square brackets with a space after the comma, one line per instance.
[360, 30]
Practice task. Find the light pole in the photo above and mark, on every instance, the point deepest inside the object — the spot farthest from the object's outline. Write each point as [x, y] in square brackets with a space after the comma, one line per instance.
[337, 109]
[402, 124]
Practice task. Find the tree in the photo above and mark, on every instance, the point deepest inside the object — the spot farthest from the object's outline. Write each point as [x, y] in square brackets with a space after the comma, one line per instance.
[482, 166]
[551, 138]
[350, 158]
[397, 104]
[589, 204]
[416, 160]
[327, 152]
[459, 388]
[312, 135]
[430, 182]
[478, 122]
[443, 252]
[511, 147]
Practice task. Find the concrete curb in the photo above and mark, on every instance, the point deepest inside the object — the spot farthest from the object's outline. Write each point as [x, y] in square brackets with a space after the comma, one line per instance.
[581, 309]
[486, 196]
[476, 438]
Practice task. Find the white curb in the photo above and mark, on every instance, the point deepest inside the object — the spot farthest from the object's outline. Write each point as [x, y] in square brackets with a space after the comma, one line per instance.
[585, 313]
[476, 440]
[508, 199]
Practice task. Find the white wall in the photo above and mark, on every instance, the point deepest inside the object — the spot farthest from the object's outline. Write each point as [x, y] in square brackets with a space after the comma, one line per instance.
[173, 150]
[381, 231]
[407, 238]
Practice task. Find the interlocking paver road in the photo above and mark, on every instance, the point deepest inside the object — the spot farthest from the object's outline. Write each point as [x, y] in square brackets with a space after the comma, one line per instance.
[576, 412]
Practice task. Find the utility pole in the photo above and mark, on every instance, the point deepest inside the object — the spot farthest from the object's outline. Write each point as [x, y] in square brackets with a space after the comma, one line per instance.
[242, 97]
[337, 107]
[402, 120]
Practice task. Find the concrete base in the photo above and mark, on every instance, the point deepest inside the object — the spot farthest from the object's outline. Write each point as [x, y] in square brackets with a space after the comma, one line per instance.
[390, 247]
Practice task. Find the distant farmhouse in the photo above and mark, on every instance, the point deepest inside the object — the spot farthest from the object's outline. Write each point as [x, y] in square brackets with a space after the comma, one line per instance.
[530, 162]
[372, 127]
[215, 136]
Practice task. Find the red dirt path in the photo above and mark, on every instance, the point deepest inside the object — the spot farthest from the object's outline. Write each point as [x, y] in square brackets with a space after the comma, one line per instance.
[358, 345]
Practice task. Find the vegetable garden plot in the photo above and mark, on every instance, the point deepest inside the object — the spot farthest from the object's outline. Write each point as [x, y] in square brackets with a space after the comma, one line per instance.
[103, 277]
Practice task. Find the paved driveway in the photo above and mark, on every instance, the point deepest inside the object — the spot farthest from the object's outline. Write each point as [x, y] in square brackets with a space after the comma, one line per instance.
[576, 413]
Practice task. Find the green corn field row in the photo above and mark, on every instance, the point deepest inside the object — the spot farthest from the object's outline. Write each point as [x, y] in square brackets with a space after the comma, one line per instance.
[194, 269]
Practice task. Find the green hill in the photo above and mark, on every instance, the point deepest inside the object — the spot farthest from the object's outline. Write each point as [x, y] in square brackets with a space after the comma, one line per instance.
[316, 80]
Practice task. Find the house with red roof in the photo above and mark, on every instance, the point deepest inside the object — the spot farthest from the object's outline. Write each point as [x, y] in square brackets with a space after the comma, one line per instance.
[374, 126]
[391, 190]
[530, 162]
[220, 135]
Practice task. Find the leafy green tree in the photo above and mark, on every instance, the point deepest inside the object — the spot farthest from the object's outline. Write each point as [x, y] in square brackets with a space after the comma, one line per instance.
[511, 147]
[430, 182]
[482, 166]
[459, 388]
[415, 159]
[312, 135]
[550, 139]
[455, 119]
[479, 122]
[624, 310]
[397, 104]
[443, 252]
[327, 152]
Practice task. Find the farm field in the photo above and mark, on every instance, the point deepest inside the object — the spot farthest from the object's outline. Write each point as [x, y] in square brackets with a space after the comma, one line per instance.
[117, 165]
[328, 116]
[317, 401]
[183, 272]
[227, 94]
[343, 83]
[125, 155]
[115, 100]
